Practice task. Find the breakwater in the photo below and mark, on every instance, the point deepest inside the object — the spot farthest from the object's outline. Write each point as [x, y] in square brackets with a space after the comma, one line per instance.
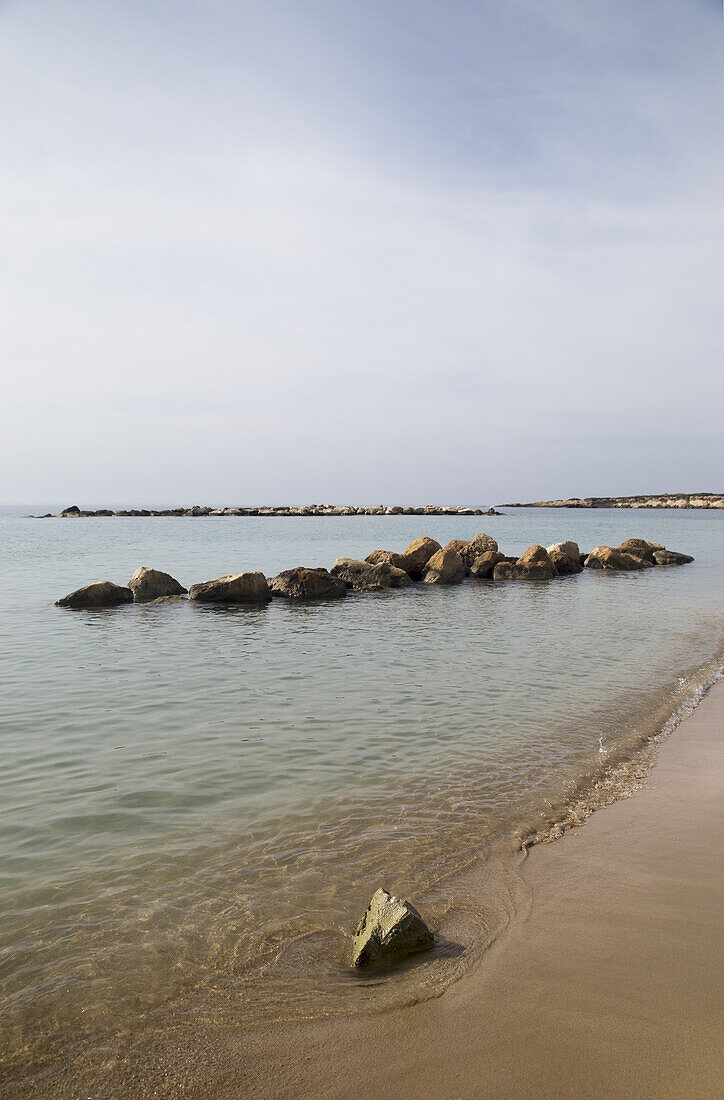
[74, 512]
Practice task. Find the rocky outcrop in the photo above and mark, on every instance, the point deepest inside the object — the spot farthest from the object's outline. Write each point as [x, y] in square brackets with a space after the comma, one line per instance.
[97, 594]
[246, 588]
[661, 500]
[605, 557]
[390, 930]
[418, 554]
[481, 544]
[386, 557]
[444, 567]
[307, 584]
[671, 557]
[484, 564]
[150, 584]
[363, 577]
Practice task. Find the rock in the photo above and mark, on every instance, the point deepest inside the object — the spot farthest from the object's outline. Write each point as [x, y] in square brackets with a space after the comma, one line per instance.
[234, 588]
[505, 570]
[484, 564]
[569, 548]
[74, 510]
[534, 564]
[605, 557]
[363, 577]
[639, 548]
[386, 557]
[671, 557]
[566, 564]
[149, 584]
[418, 554]
[444, 567]
[307, 584]
[98, 594]
[389, 930]
[477, 546]
[492, 512]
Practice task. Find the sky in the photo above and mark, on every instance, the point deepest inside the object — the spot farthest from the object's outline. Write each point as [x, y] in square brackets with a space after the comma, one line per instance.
[397, 251]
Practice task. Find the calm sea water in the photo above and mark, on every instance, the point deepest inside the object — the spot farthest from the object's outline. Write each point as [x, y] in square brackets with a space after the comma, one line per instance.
[197, 802]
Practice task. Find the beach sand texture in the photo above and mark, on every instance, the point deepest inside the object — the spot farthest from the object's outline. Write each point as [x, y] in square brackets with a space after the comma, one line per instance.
[611, 984]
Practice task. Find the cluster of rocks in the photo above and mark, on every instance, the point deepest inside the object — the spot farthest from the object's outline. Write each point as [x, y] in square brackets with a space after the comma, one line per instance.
[662, 500]
[424, 560]
[75, 512]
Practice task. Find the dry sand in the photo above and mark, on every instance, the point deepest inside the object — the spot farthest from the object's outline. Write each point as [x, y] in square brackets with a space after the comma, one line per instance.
[611, 985]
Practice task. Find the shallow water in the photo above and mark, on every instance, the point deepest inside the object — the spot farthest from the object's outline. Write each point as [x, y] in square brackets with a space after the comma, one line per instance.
[196, 803]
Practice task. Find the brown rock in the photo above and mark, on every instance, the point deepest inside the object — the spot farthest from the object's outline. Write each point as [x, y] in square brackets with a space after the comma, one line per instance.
[418, 554]
[484, 564]
[150, 584]
[564, 563]
[234, 588]
[444, 567]
[386, 557]
[605, 557]
[639, 548]
[301, 583]
[97, 594]
[364, 577]
[481, 544]
[671, 557]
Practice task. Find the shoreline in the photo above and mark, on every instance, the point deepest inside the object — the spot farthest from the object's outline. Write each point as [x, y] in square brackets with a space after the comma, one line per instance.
[607, 984]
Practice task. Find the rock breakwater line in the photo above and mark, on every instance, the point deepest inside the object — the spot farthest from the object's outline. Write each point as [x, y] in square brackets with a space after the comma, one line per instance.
[285, 511]
[424, 560]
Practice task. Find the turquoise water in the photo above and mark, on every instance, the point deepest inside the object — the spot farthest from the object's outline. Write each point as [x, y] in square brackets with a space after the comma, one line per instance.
[197, 802]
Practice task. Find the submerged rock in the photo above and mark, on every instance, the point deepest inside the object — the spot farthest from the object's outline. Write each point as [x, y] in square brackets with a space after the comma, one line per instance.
[150, 584]
[671, 557]
[307, 584]
[97, 594]
[234, 588]
[444, 567]
[418, 554]
[390, 929]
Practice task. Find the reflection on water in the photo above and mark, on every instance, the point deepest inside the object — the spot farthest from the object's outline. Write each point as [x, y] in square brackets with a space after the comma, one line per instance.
[196, 802]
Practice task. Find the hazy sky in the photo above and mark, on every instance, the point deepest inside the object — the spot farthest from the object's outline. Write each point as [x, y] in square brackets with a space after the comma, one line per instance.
[410, 251]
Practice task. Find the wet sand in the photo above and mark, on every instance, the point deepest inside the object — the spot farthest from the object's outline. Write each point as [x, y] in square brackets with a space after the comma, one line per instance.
[610, 984]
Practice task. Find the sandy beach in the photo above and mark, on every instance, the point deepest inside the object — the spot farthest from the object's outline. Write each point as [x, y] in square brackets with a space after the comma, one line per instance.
[611, 984]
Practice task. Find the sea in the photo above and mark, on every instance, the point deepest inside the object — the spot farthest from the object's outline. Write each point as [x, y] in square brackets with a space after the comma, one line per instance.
[197, 802]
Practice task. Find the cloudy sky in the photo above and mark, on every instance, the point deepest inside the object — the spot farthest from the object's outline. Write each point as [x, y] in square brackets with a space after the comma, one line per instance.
[449, 251]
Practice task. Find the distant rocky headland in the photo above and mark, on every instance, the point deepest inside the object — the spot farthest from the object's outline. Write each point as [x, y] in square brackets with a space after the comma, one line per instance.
[304, 510]
[662, 500]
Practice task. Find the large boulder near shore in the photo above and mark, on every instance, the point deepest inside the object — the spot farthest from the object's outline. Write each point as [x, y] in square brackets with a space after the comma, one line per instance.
[390, 929]
[444, 567]
[234, 588]
[98, 594]
[301, 583]
[386, 557]
[671, 557]
[605, 557]
[481, 544]
[535, 564]
[484, 564]
[418, 554]
[150, 584]
[363, 577]
[565, 564]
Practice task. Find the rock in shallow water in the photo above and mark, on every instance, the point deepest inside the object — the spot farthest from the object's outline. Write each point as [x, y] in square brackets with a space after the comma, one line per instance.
[671, 557]
[234, 588]
[97, 594]
[150, 584]
[308, 584]
[390, 929]
[444, 567]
